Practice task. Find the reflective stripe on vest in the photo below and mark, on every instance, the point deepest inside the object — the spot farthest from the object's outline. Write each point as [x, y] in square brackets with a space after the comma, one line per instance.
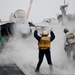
[44, 42]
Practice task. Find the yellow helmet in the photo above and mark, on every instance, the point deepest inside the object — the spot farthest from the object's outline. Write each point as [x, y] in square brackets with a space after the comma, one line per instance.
[45, 33]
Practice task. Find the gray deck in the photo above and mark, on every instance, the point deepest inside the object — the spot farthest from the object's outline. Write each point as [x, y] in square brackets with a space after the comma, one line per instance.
[10, 70]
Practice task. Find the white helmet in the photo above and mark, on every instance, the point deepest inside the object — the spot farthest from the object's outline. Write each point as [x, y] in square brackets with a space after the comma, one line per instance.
[45, 33]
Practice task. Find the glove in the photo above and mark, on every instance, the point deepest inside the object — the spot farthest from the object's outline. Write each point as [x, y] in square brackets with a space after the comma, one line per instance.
[35, 28]
[51, 29]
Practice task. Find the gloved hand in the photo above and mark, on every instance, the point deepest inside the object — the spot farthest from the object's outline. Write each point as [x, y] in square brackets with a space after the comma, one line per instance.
[37, 28]
[51, 29]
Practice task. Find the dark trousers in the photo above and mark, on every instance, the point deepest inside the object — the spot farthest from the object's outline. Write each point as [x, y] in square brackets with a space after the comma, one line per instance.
[41, 55]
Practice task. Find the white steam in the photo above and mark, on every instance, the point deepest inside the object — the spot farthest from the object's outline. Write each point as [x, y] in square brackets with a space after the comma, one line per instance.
[25, 51]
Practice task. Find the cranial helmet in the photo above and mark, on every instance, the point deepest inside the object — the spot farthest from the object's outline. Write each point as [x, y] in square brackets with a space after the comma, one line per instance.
[66, 30]
[45, 33]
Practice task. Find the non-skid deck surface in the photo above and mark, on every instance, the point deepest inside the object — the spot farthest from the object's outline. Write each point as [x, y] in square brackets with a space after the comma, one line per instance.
[10, 70]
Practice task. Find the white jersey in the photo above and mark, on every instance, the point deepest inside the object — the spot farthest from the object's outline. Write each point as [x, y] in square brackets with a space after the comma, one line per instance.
[70, 38]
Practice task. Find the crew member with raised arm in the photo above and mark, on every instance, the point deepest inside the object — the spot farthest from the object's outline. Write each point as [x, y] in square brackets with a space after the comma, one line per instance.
[44, 45]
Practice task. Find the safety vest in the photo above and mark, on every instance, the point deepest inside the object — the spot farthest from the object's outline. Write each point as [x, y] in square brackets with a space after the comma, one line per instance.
[44, 42]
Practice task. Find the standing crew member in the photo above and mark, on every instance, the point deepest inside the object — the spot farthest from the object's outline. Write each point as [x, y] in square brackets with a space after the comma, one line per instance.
[44, 43]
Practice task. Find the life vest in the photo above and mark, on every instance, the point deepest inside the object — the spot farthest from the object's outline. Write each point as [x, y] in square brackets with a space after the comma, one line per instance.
[44, 42]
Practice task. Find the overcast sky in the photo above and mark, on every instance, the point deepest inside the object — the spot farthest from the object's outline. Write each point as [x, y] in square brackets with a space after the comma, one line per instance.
[40, 8]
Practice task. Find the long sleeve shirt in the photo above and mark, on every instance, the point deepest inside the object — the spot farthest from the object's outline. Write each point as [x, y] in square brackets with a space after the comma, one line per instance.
[38, 37]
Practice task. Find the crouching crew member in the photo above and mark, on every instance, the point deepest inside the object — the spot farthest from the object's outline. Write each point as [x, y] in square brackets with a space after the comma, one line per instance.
[70, 46]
